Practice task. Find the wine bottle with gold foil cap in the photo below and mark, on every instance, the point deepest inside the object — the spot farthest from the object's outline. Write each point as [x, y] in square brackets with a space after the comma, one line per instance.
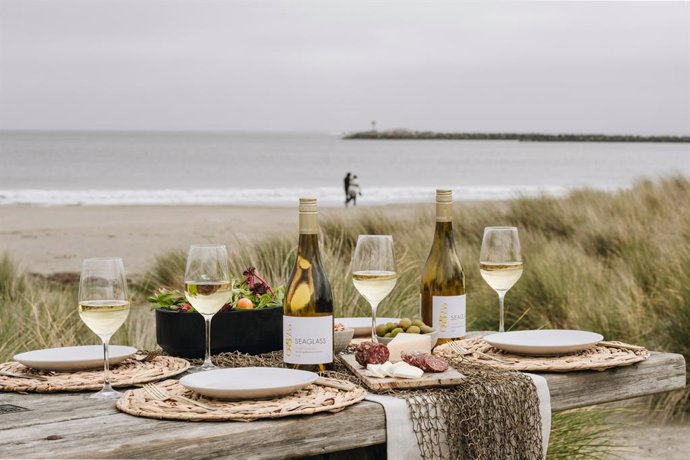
[308, 304]
[442, 290]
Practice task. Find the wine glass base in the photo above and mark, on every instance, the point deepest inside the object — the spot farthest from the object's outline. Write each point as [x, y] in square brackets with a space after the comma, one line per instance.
[107, 395]
[202, 368]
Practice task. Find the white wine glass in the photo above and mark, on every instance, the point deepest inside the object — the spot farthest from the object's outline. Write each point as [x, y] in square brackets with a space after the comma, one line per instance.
[500, 262]
[103, 307]
[373, 271]
[207, 287]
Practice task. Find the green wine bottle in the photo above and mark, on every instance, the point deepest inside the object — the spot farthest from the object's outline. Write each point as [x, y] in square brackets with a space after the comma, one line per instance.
[308, 304]
[442, 291]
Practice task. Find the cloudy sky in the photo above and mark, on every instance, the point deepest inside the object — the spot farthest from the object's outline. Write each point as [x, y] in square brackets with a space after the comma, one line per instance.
[337, 65]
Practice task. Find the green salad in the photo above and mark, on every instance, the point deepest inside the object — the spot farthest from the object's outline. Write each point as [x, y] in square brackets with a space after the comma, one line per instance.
[248, 293]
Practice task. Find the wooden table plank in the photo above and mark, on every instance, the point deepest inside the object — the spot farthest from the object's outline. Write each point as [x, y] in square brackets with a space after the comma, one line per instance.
[111, 434]
[91, 429]
[659, 373]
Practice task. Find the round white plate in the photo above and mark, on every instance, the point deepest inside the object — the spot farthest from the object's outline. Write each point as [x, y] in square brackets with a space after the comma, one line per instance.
[73, 358]
[544, 342]
[248, 382]
[362, 324]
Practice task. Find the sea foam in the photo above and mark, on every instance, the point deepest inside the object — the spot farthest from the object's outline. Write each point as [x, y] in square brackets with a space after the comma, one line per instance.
[328, 196]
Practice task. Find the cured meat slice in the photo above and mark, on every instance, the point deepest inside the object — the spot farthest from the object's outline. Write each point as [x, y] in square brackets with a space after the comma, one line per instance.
[433, 363]
[426, 361]
[371, 353]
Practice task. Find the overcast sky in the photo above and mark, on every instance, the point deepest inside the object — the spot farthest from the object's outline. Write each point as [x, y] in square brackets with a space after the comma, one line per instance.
[337, 65]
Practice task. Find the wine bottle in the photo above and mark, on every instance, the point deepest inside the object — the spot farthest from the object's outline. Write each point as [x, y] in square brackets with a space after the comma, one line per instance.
[308, 304]
[442, 291]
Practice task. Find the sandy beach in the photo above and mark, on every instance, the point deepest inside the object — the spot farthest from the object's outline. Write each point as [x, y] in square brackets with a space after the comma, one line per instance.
[55, 239]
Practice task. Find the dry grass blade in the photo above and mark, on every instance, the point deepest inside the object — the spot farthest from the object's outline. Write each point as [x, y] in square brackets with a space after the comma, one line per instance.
[146, 356]
[162, 395]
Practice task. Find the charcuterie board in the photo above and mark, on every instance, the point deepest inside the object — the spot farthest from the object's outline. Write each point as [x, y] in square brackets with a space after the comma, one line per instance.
[428, 380]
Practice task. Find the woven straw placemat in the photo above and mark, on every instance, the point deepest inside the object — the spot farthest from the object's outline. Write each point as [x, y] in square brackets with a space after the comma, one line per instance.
[128, 373]
[603, 356]
[310, 400]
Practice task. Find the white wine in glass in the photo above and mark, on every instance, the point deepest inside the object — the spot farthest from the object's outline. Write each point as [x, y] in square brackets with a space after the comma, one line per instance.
[501, 276]
[103, 307]
[206, 296]
[374, 285]
[500, 262]
[103, 317]
[207, 288]
[373, 271]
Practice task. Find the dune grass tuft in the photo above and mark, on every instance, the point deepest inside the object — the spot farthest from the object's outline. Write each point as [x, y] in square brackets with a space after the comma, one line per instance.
[618, 263]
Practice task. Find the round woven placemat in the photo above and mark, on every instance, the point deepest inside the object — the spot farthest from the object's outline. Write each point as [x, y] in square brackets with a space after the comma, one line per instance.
[603, 356]
[128, 373]
[310, 400]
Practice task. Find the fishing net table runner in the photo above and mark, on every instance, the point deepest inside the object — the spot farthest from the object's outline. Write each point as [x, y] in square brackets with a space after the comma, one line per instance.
[126, 374]
[601, 357]
[493, 414]
[310, 400]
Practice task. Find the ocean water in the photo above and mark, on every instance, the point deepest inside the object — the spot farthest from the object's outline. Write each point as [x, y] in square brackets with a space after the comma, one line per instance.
[88, 168]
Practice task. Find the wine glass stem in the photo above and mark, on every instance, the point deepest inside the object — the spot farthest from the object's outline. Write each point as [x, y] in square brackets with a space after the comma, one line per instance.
[106, 365]
[501, 297]
[373, 322]
[207, 359]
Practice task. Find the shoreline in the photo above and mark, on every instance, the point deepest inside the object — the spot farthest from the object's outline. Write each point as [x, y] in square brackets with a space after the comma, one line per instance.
[46, 240]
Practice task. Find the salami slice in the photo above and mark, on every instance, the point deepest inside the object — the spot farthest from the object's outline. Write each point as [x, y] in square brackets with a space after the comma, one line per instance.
[426, 361]
[371, 353]
[433, 363]
[378, 354]
[415, 359]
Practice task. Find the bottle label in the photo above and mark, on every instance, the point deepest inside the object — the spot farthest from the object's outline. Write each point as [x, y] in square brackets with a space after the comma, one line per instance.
[444, 212]
[308, 339]
[449, 316]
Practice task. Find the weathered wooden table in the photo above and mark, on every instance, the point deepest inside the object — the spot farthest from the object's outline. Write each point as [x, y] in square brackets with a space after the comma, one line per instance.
[74, 426]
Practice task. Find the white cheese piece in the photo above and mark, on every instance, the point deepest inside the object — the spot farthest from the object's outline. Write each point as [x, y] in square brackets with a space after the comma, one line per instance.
[408, 343]
[408, 372]
[375, 370]
[398, 365]
[387, 368]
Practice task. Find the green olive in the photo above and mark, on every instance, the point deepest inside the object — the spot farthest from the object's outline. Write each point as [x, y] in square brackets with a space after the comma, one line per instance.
[390, 326]
[396, 331]
[427, 329]
[405, 323]
[418, 322]
[381, 330]
[413, 330]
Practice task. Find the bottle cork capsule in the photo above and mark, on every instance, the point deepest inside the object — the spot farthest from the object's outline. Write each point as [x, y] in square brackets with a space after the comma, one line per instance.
[307, 205]
[444, 195]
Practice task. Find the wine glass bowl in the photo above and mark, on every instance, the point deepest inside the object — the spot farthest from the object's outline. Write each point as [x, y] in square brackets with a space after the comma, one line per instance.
[207, 287]
[104, 307]
[500, 262]
[373, 271]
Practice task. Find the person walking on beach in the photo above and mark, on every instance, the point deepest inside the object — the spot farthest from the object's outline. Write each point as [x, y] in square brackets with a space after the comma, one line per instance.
[347, 187]
[352, 191]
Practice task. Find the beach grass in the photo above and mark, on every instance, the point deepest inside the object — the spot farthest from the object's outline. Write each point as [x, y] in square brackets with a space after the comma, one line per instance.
[617, 263]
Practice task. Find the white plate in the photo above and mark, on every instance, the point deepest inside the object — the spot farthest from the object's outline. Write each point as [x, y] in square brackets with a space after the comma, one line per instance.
[73, 358]
[248, 382]
[544, 342]
[362, 325]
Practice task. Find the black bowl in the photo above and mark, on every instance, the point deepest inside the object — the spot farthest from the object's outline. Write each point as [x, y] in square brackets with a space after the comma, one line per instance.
[248, 331]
